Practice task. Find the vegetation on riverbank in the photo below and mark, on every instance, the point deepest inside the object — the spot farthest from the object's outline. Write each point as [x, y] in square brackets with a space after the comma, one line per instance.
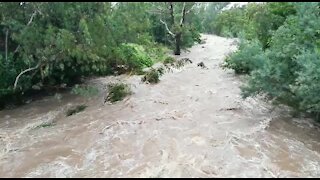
[280, 51]
[47, 46]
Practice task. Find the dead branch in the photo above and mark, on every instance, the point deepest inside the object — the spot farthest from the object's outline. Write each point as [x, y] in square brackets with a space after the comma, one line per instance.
[171, 12]
[183, 13]
[31, 18]
[25, 71]
[167, 28]
[190, 8]
[7, 33]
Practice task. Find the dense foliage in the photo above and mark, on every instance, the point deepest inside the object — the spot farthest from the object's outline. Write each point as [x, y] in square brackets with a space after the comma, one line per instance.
[283, 60]
[51, 45]
[54, 45]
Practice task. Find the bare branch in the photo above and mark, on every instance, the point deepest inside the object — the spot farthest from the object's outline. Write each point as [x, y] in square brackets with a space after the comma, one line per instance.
[16, 50]
[30, 20]
[7, 33]
[167, 27]
[171, 12]
[191, 8]
[160, 9]
[183, 13]
[25, 71]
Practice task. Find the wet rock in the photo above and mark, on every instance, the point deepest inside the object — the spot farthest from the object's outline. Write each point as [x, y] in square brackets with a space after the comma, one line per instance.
[201, 64]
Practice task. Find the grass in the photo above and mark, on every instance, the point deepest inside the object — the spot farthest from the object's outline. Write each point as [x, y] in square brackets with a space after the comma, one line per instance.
[76, 110]
[117, 92]
[169, 60]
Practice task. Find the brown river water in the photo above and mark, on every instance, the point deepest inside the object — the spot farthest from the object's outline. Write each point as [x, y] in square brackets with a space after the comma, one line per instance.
[193, 123]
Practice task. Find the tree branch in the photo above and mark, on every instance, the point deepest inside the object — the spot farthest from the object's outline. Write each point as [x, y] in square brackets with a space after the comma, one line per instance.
[7, 33]
[16, 50]
[25, 71]
[171, 12]
[171, 33]
[190, 8]
[31, 19]
[183, 13]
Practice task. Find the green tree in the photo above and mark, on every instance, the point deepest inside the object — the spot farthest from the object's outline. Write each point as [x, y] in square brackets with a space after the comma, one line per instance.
[174, 16]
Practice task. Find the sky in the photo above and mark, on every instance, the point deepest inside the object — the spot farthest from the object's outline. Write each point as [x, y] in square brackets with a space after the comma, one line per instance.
[238, 4]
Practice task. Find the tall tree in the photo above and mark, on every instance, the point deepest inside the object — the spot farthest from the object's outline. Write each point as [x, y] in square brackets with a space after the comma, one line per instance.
[173, 16]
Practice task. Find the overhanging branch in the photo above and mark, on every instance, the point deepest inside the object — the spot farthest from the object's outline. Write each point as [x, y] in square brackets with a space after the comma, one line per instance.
[167, 28]
[25, 71]
[190, 8]
[183, 13]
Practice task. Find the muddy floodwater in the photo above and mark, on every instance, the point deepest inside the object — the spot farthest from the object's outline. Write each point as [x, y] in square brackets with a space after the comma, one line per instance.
[193, 123]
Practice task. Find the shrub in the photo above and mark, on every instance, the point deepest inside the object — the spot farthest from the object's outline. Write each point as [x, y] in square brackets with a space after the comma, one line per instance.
[307, 84]
[153, 76]
[290, 73]
[156, 52]
[133, 57]
[250, 56]
[117, 91]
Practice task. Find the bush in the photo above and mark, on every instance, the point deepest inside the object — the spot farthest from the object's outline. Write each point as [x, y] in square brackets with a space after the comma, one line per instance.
[290, 73]
[63, 42]
[307, 84]
[117, 91]
[156, 52]
[132, 57]
[153, 76]
[250, 56]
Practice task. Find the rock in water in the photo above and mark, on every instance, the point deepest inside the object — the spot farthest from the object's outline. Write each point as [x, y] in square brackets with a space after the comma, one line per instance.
[201, 64]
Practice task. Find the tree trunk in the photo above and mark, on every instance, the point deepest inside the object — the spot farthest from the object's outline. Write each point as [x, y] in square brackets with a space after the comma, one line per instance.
[178, 43]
